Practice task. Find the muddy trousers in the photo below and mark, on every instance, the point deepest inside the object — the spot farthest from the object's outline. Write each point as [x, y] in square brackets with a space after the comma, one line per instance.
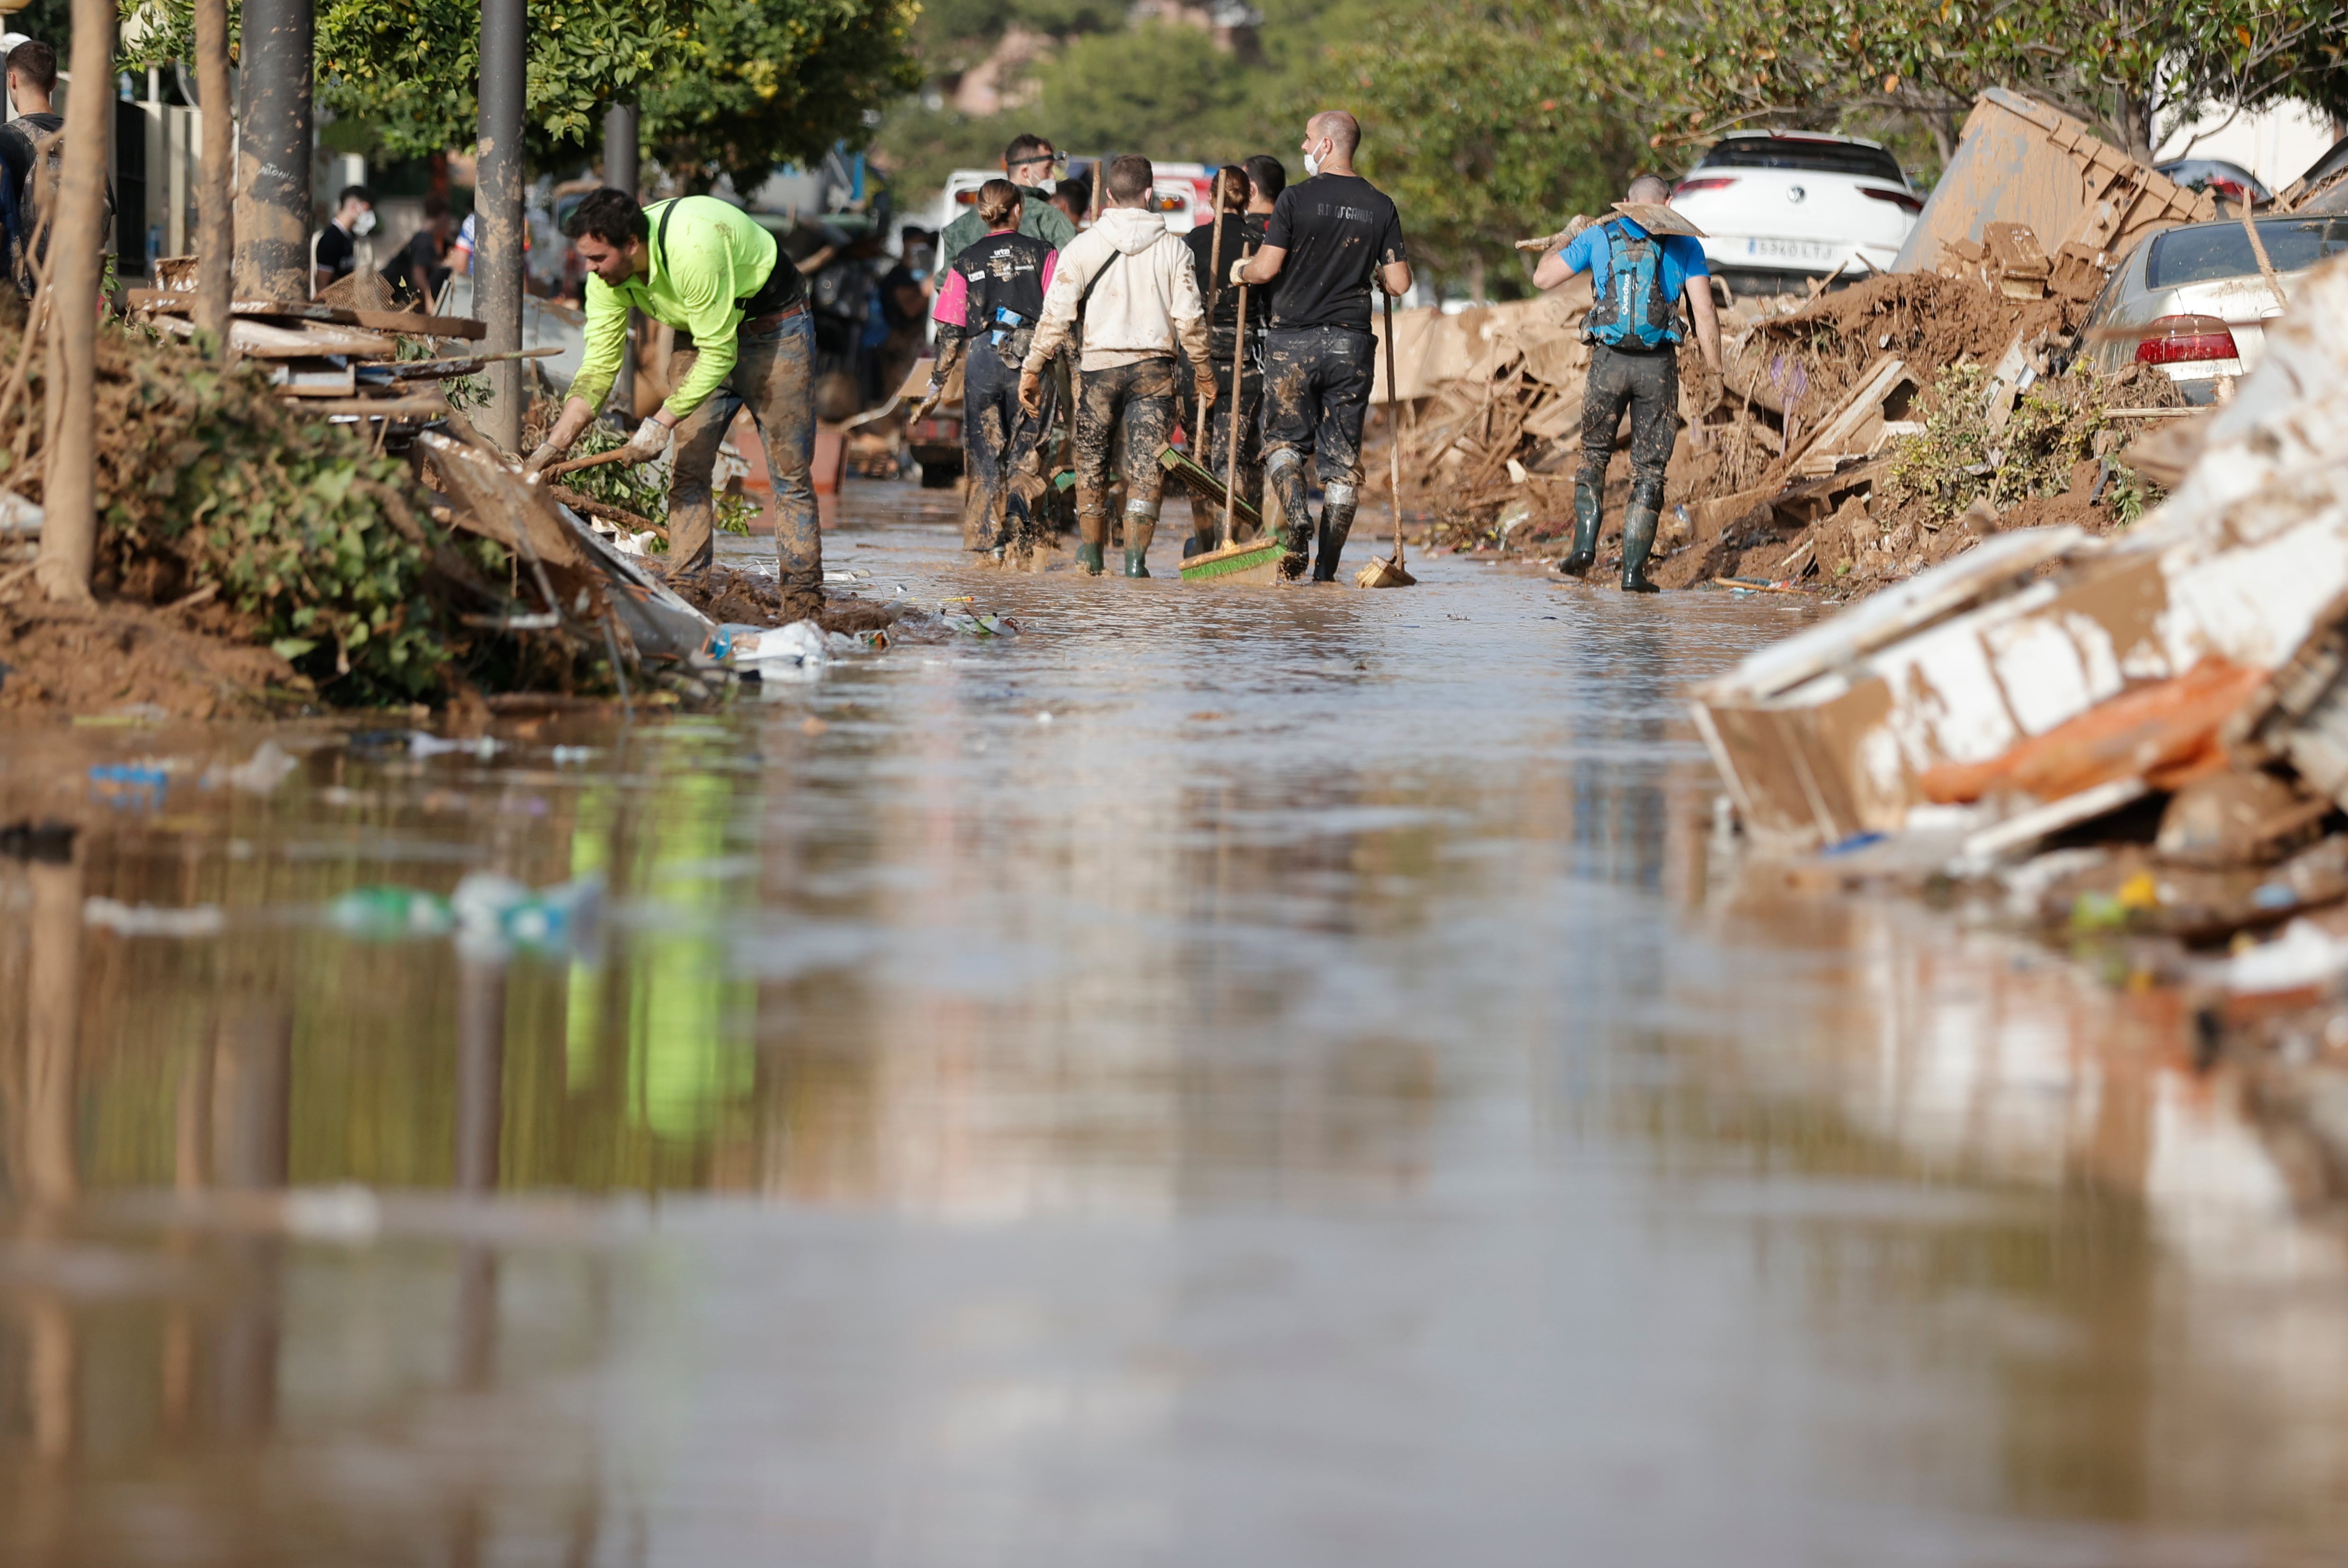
[1000, 439]
[1648, 386]
[774, 377]
[1131, 405]
[1212, 445]
[1316, 390]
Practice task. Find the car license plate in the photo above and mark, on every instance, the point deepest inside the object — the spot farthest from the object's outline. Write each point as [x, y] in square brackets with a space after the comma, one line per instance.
[1809, 252]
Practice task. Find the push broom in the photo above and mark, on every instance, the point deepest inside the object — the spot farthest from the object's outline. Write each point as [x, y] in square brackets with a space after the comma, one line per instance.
[1388, 572]
[1257, 561]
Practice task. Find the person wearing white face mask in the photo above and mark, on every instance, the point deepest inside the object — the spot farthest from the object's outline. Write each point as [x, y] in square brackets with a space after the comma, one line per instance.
[1029, 163]
[334, 252]
[1324, 243]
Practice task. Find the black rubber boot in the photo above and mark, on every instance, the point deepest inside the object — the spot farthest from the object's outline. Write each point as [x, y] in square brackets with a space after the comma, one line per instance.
[1336, 522]
[1584, 554]
[1639, 520]
[1287, 482]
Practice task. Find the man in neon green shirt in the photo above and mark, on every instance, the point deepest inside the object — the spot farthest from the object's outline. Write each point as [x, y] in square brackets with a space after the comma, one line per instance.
[710, 271]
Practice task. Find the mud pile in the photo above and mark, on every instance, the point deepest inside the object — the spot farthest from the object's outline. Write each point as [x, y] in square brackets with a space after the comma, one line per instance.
[1796, 466]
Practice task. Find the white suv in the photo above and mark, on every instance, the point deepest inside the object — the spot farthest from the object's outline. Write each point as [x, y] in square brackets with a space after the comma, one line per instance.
[1783, 208]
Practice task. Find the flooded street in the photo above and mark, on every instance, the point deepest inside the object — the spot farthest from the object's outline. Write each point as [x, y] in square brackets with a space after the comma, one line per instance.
[1222, 1076]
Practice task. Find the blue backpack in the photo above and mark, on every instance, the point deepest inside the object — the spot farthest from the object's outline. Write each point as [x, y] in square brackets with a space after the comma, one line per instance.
[1634, 311]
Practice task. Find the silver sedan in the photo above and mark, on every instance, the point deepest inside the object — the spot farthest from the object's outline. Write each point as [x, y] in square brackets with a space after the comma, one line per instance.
[2193, 302]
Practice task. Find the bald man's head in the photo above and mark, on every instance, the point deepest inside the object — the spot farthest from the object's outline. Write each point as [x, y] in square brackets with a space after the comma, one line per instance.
[1340, 129]
[1649, 187]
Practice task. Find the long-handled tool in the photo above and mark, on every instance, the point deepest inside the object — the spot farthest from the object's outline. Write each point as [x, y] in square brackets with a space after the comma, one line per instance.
[1389, 572]
[1257, 561]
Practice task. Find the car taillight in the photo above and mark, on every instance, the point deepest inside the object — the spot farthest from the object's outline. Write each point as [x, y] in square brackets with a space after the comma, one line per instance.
[2186, 340]
[1689, 187]
[1897, 197]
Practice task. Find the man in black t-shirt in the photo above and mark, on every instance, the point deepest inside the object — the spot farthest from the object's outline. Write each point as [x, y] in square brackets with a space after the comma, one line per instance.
[334, 254]
[420, 267]
[1247, 191]
[1325, 241]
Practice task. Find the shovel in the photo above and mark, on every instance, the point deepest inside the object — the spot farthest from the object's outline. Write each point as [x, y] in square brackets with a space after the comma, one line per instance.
[1389, 572]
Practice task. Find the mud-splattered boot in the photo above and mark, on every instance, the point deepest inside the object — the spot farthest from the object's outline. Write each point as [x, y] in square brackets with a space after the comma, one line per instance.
[1141, 524]
[1639, 520]
[1092, 527]
[1336, 522]
[1584, 554]
[1283, 468]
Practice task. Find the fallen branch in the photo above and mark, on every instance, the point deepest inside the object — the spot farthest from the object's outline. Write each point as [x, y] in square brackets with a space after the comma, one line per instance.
[589, 506]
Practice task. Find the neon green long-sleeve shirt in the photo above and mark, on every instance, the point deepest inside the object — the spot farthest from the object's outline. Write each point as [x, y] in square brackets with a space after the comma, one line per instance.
[713, 256]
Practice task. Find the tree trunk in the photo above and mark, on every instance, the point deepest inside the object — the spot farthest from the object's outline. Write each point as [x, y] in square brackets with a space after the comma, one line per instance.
[215, 209]
[76, 251]
[2136, 126]
[273, 150]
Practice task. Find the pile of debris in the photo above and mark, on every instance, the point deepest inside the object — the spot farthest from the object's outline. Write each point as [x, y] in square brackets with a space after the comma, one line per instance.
[254, 557]
[347, 354]
[2138, 742]
[1795, 467]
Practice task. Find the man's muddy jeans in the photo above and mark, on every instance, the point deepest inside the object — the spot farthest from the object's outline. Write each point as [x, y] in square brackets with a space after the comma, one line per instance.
[774, 377]
[1316, 388]
[1138, 397]
[1650, 385]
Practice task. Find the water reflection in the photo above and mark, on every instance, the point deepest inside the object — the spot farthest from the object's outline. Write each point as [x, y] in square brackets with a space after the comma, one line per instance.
[1275, 1079]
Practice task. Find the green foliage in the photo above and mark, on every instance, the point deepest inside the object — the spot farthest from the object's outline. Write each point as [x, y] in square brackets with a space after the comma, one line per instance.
[630, 486]
[641, 490]
[1958, 459]
[1164, 91]
[2130, 495]
[1482, 122]
[777, 81]
[726, 86]
[2130, 68]
[297, 521]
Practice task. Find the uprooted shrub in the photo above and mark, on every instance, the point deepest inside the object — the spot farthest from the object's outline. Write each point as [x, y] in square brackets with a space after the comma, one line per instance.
[2053, 425]
[207, 480]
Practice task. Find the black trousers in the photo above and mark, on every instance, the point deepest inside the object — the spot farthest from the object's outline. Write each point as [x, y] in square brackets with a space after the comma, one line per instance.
[1649, 384]
[1316, 391]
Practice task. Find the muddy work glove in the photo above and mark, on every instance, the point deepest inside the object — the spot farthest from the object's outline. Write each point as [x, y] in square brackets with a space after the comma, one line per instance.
[1206, 385]
[1031, 392]
[650, 442]
[547, 452]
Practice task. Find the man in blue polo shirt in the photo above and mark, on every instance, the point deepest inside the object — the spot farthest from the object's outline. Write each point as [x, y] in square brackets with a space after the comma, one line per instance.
[1634, 331]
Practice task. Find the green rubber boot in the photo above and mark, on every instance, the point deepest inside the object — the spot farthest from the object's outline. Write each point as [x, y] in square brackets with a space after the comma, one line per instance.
[1584, 554]
[1638, 522]
[1137, 531]
[1089, 556]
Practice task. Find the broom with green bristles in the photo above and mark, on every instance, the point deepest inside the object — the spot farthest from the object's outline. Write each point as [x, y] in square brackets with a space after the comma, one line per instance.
[1257, 561]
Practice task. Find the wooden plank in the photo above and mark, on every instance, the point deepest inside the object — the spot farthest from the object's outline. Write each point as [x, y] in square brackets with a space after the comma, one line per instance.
[178, 302]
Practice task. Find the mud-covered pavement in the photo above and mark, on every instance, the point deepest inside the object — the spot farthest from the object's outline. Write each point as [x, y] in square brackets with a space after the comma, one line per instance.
[1223, 1075]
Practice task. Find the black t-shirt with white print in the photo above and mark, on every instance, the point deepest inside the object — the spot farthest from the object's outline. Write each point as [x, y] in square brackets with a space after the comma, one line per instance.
[1338, 229]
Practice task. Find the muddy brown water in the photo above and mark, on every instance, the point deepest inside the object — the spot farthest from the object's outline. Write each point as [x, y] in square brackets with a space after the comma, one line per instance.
[1234, 1077]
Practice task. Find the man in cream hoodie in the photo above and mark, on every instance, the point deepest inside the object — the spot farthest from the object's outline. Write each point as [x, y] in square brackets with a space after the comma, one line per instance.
[1126, 290]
